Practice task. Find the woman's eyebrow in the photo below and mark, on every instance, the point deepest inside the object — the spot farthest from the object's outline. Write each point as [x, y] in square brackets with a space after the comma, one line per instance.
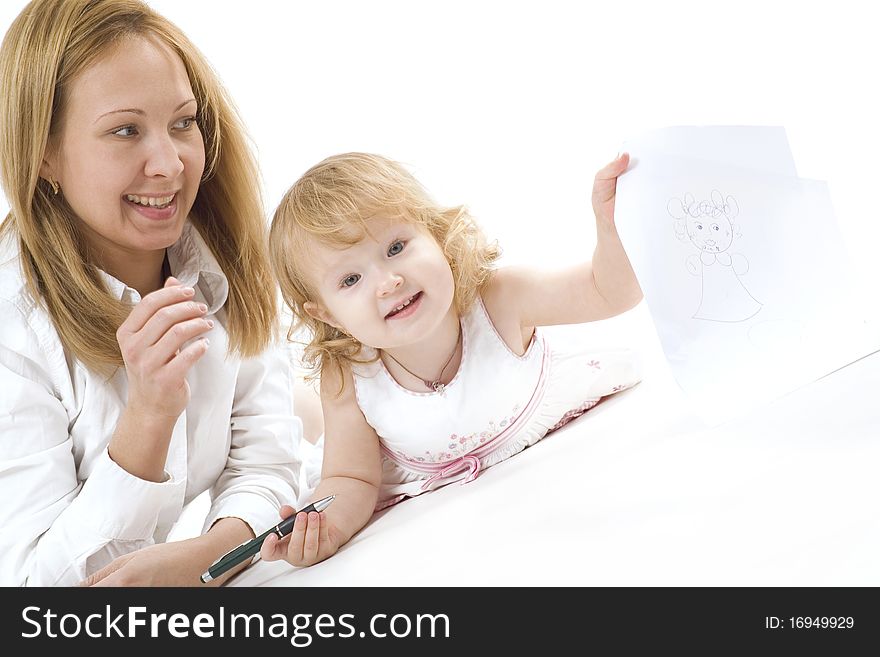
[140, 112]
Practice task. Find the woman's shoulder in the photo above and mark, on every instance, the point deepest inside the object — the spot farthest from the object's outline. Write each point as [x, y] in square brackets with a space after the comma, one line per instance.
[13, 287]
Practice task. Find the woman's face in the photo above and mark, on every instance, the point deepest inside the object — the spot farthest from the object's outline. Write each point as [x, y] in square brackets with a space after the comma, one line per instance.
[128, 153]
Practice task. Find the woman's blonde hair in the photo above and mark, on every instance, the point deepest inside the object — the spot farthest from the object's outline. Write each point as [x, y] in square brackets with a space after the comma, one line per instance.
[46, 48]
[333, 202]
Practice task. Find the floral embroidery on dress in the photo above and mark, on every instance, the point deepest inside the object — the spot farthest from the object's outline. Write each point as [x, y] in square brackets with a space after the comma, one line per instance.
[595, 364]
[458, 446]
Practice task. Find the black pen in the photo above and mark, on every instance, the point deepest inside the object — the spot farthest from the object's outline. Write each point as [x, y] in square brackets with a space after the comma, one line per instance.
[249, 548]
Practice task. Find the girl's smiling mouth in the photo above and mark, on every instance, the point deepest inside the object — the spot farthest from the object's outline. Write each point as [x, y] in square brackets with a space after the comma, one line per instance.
[406, 308]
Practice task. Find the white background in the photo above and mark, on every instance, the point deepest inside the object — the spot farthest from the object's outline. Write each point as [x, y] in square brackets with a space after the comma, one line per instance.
[511, 107]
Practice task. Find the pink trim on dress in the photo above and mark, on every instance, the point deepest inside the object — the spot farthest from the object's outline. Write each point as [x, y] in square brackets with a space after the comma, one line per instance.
[495, 332]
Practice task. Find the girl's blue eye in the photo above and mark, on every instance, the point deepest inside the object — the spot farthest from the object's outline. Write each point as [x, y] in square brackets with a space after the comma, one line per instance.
[132, 131]
[395, 248]
[350, 280]
[187, 123]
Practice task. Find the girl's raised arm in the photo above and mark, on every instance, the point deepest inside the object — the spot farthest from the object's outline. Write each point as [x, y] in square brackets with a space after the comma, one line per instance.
[597, 289]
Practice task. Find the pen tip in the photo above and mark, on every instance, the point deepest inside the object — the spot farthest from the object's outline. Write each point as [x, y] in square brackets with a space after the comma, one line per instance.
[323, 503]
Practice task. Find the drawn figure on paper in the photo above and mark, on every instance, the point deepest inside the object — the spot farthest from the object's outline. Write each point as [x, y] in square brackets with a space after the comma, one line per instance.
[709, 226]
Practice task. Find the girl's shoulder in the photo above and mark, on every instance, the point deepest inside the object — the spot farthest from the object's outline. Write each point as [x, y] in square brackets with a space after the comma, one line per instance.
[337, 385]
[499, 299]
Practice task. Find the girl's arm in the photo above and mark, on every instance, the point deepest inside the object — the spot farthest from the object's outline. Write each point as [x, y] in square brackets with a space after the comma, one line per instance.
[352, 471]
[599, 289]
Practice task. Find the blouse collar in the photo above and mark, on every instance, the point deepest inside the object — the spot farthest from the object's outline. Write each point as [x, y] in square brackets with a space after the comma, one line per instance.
[192, 263]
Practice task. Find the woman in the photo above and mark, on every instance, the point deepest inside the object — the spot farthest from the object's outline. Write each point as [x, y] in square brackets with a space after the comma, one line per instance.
[136, 360]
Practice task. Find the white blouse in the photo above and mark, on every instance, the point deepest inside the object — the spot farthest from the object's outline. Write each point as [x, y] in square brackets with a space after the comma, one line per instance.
[67, 509]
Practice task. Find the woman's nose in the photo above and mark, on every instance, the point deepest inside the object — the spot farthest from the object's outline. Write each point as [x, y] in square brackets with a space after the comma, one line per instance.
[163, 158]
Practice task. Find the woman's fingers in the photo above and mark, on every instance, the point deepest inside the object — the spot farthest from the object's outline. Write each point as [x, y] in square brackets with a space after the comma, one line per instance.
[152, 303]
[175, 338]
[180, 364]
[168, 317]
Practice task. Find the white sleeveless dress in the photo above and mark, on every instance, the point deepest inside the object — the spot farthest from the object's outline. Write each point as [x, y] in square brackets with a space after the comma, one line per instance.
[497, 404]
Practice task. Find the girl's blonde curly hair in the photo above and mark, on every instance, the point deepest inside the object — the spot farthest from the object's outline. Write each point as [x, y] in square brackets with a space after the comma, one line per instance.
[333, 203]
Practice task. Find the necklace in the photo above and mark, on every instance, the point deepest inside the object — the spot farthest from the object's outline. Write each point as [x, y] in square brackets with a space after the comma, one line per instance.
[437, 384]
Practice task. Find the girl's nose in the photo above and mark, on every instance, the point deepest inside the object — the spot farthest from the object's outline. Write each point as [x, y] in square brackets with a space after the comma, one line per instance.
[390, 282]
[163, 158]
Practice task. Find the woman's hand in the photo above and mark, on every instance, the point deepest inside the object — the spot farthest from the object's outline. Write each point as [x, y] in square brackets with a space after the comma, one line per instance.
[165, 564]
[605, 190]
[153, 340]
[313, 539]
[157, 359]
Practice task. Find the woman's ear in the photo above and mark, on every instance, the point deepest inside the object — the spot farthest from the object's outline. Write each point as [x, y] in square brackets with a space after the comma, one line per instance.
[48, 168]
[316, 311]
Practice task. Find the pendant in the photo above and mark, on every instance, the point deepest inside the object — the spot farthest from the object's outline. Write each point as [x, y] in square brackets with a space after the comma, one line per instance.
[436, 385]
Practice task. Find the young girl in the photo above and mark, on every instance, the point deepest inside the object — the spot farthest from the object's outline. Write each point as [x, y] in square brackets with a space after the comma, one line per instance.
[430, 363]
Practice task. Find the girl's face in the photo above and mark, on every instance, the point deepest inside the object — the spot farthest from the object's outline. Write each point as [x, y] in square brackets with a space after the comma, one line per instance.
[712, 235]
[391, 289]
[129, 155]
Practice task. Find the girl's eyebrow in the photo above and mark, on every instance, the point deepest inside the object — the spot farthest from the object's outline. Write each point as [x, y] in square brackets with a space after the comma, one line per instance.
[335, 268]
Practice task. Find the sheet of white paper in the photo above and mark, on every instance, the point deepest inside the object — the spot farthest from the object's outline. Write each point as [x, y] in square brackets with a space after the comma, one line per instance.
[757, 148]
[744, 272]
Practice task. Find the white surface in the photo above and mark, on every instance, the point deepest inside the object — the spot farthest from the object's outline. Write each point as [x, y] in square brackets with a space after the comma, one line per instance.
[638, 492]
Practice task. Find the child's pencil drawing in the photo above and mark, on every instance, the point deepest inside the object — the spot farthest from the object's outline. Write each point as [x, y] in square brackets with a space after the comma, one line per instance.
[709, 226]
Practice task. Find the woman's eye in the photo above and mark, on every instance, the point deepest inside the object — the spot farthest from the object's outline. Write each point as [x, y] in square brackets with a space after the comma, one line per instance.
[126, 131]
[395, 248]
[350, 280]
[185, 124]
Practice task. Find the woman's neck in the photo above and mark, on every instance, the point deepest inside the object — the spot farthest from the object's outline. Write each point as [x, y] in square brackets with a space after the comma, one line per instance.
[142, 271]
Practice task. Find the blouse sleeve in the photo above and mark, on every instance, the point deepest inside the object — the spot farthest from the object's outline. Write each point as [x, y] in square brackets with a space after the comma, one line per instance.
[52, 524]
[262, 467]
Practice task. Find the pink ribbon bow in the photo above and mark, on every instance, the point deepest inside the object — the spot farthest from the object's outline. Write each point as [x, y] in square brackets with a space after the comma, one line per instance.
[468, 462]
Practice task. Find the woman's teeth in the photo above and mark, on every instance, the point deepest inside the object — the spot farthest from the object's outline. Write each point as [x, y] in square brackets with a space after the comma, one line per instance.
[150, 201]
